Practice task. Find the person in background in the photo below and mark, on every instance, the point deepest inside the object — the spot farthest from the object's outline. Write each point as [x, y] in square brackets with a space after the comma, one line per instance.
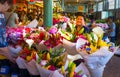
[112, 29]
[40, 24]
[23, 18]
[29, 15]
[92, 25]
[12, 19]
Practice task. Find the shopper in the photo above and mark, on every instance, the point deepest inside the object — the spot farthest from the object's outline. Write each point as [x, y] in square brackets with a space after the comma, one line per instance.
[112, 29]
[4, 6]
[12, 19]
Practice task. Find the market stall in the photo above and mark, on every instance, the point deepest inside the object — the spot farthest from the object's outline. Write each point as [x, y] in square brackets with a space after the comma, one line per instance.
[60, 46]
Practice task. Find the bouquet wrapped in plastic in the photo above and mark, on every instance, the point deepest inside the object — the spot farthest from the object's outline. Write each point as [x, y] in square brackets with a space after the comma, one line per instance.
[97, 53]
[72, 71]
[50, 61]
[69, 47]
[27, 59]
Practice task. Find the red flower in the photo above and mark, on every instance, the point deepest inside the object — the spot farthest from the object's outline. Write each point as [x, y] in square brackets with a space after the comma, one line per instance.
[53, 40]
[26, 50]
[52, 68]
[27, 30]
[41, 35]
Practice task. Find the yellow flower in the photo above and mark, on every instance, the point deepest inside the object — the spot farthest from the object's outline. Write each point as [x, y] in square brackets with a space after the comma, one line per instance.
[89, 37]
[71, 74]
[73, 68]
[63, 70]
[93, 48]
[47, 67]
[48, 56]
[99, 43]
[104, 44]
[60, 63]
[28, 58]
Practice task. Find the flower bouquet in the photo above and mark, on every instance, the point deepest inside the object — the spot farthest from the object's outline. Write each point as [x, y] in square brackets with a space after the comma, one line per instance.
[36, 35]
[50, 61]
[15, 35]
[72, 71]
[15, 39]
[27, 59]
[96, 53]
[70, 38]
[75, 68]
[54, 38]
[53, 41]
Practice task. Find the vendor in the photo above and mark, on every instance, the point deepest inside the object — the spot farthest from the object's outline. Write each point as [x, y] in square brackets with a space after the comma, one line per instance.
[80, 23]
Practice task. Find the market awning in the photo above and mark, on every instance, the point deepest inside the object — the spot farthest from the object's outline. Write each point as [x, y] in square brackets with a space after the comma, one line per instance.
[81, 1]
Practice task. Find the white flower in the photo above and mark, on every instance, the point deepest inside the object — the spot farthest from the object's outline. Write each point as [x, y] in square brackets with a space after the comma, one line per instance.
[98, 31]
[43, 62]
[29, 42]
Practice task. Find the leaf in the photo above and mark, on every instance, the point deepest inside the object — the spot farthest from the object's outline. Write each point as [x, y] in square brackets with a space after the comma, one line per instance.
[69, 66]
[39, 60]
[27, 35]
[50, 50]
[63, 31]
[79, 72]
[73, 37]
[57, 52]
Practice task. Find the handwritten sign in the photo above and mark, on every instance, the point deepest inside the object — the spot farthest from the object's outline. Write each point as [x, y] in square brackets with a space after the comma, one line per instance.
[81, 8]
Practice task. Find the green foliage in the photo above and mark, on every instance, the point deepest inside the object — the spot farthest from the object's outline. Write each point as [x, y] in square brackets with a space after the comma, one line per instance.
[57, 52]
[56, 61]
[100, 21]
[70, 65]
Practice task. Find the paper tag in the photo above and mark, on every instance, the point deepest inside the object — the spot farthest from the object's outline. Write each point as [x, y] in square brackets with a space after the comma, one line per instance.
[33, 24]
[84, 75]
[3, 70]
[14, 76]
[2, 16]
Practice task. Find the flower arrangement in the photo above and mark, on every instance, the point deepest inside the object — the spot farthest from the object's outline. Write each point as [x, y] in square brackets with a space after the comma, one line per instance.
[15, 35]
[72, 70]
[51, 60]
[97, 49]
[93, 41]
[28, 53]
[36, 35]
[53, 40]
[103, 25]
[87, 44]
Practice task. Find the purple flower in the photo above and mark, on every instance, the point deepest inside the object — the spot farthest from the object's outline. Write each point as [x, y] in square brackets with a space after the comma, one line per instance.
[53, 30]
[103, 25]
